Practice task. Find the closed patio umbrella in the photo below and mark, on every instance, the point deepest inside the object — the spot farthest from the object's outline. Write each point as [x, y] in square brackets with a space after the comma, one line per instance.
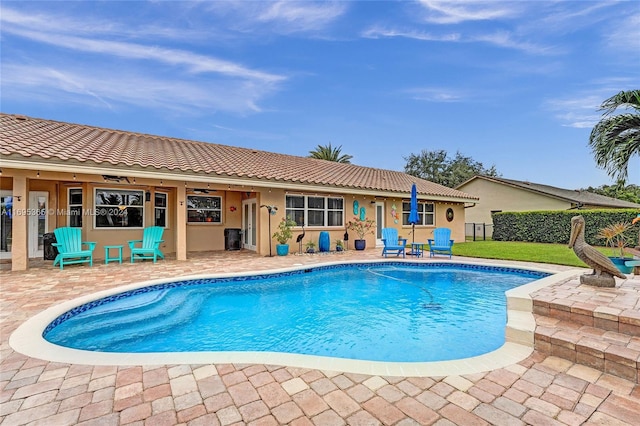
[413, 212]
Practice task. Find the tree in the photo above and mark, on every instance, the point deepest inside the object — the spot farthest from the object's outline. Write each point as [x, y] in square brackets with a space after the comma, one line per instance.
[629, 193]
[616, 137]
[436, 166]
[326, 152]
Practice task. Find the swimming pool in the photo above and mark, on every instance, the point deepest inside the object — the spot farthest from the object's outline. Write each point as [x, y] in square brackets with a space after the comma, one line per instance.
[388, 311]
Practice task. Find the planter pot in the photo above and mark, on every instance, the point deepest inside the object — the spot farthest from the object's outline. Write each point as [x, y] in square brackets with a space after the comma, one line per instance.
[619, 262]
[360, 244]
[282, 249]
[339, 248]
[311, 250]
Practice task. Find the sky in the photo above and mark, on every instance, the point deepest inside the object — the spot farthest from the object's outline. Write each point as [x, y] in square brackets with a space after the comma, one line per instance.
[515, 85]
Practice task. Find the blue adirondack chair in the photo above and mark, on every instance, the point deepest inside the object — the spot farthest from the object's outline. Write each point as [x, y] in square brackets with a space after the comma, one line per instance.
[393, 244]
[441, 242]
[71, 247]
[149, 245]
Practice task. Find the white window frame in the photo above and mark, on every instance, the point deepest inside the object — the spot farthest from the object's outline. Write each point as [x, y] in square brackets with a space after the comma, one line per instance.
[205, 222]
[306, 209]
[423, 214]
[165, 208]
[71, 206]
[98, 208]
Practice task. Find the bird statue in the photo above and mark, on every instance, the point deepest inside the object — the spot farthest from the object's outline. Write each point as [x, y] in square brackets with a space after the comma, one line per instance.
[603, 269]
[299, 240]
[345, 237]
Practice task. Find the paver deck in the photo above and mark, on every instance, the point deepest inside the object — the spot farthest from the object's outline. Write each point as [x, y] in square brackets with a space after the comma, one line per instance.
[540, 390]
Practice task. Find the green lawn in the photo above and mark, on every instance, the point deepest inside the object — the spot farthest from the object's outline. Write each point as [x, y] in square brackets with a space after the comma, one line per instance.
[559, 254]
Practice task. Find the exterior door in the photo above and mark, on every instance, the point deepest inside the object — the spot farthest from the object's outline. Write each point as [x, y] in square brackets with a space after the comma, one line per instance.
[38, 221]
[249, 221]
[6, 205]
[379, 222]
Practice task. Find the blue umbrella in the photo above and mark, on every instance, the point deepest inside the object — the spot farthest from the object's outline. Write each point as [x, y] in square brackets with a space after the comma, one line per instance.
[413, 212]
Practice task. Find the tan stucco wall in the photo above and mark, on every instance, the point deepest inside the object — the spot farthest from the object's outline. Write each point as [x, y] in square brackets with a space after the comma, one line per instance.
[494, 196]
[422, 233]
[181, 237]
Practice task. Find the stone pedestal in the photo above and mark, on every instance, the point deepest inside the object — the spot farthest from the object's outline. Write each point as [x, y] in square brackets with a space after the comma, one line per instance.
[604, 280]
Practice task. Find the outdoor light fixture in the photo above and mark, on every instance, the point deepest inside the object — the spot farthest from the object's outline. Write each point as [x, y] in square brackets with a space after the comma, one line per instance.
[147, 196]
[112, 178]
[272, 211]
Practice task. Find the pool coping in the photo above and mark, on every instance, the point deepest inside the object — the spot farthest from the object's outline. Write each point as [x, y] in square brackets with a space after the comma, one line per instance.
[27, 338]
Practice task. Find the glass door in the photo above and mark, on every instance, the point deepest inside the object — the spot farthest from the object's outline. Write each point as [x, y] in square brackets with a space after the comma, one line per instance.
[6, 217]
[249, 220]
[379, 222]
[38, 221]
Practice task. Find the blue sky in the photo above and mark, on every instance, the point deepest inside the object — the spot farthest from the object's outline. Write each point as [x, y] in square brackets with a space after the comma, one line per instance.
[511, 84]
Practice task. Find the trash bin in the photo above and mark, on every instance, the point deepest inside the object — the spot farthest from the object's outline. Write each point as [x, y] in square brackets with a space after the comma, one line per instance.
[50, 252]
[232, 239]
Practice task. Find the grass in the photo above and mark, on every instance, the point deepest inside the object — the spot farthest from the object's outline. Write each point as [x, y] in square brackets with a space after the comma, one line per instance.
[559, 254]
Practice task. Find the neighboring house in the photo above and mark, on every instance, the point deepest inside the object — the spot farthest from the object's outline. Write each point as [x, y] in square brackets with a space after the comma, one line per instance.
[113, 183]
[506, 195]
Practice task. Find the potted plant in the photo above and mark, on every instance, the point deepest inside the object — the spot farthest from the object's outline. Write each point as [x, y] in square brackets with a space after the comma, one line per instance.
[283, 235]
[339, 245]
[311, 246]
[361, 228]
[614, 237]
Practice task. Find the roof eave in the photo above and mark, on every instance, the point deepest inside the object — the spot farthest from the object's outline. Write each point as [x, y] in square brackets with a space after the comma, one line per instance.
[92, 168]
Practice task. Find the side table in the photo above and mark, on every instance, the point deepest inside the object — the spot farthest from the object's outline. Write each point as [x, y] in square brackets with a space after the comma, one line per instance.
[117, 258]
[417, 249]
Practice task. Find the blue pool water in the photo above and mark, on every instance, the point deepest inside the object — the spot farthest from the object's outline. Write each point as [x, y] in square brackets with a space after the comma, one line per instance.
[381, 312]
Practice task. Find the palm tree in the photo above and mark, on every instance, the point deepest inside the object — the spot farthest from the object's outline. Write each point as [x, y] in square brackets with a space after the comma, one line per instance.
[328, 153]
[616, 138]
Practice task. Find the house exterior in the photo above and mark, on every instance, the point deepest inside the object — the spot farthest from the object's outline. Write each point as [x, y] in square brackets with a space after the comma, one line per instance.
[112, 184]
[508, 195]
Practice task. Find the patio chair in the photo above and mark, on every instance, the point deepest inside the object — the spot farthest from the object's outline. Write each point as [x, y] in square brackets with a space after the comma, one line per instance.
[149, 244]
[441, 242]
[70, 247]
[393, 244]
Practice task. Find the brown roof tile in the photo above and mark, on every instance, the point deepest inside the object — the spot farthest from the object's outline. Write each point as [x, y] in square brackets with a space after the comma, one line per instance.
[62, 142]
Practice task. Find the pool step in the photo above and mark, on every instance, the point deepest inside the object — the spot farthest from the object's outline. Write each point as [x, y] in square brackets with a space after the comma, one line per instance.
[601, 337]
[158, 315]
[105, 317]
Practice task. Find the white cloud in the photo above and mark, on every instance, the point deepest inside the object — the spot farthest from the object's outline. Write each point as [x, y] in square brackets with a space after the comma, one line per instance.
[379, 32]
[281, 17]
[507, 40]
[454, 12]
[147, 75]
[436, 94]
[195, 63]
[578, 111]
[300, 16]
[98, 87]
[625, 36]
[12, 19]
[503, 39]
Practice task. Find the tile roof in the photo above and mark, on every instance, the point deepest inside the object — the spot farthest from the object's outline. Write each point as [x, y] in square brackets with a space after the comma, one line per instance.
[67, 144]
[570, 195]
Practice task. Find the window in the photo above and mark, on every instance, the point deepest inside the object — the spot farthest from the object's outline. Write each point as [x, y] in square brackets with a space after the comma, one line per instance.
[74, 218]
[295, 208]
[160, 209]
[116, 208]
[426, 213]
[315, 211]
[204, 209]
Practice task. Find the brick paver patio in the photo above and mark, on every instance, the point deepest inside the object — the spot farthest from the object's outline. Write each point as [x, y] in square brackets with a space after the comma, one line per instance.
[541, 390]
